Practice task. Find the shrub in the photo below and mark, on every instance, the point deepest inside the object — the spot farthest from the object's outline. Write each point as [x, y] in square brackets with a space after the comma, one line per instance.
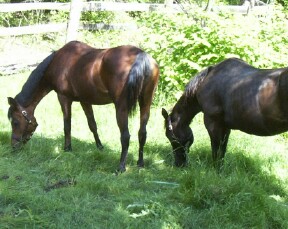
[185, 45]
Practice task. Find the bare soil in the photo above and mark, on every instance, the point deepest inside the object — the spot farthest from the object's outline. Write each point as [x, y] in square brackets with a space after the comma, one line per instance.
[16, 55]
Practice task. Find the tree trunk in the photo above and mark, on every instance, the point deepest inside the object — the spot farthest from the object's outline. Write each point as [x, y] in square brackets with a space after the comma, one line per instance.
[209, 5]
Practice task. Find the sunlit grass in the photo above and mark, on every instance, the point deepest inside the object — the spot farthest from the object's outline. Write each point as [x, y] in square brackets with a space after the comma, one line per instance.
[41, 186]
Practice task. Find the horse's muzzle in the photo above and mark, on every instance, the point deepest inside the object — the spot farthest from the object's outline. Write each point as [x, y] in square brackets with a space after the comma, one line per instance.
[18, 143]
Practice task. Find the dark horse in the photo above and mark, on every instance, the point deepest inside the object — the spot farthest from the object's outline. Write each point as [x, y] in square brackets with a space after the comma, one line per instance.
[232, 95]
[123, 75]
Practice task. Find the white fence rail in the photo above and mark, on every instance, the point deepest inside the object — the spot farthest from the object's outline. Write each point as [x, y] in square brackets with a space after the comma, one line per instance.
[14, 7]
[98, 6]
[86, 6]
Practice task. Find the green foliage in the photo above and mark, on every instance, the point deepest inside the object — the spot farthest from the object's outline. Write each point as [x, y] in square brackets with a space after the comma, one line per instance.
[97, 17]
[79, 190]
[284, 3]
[185, 45]
[25, 18]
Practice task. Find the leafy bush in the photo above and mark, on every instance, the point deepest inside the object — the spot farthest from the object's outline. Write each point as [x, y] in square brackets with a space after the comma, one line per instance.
[185, 45]
[25, 18]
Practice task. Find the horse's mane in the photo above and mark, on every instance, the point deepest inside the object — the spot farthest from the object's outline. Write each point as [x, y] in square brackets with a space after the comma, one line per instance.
[195, 82]
[33, 81]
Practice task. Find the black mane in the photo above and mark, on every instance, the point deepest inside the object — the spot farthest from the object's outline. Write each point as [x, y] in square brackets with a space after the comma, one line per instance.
[194, 83]
[33, 81]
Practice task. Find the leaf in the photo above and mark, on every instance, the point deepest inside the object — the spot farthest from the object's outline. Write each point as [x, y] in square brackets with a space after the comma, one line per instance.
[207, 57]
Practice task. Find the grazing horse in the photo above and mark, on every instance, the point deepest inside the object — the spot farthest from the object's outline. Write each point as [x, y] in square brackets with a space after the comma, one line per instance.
[231, 95]
[122, 75]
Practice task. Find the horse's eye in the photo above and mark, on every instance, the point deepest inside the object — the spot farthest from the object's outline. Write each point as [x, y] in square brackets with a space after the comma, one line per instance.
[15, 123]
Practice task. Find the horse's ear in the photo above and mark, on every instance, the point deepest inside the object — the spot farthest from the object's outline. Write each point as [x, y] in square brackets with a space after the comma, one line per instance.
[12, 102]
[164, 113]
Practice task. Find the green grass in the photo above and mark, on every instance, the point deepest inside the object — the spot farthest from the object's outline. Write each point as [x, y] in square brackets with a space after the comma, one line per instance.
[43, 187]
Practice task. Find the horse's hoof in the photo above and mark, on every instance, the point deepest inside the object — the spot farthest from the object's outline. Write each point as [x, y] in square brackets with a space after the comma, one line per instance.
[120, 170]
[100, 146]
[68, 149]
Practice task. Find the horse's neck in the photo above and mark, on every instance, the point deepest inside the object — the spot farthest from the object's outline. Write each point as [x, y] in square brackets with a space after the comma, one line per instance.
[31, 99]
[182, 110]
[185, 109]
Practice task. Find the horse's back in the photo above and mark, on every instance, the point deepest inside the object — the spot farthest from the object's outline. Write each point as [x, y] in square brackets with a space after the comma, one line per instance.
[71, 73]
[96, 76]
[244, 97]
[71, 58]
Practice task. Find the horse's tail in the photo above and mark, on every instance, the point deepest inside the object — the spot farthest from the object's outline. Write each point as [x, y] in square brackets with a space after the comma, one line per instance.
[195, 82]
[140, 70]
[33, 80]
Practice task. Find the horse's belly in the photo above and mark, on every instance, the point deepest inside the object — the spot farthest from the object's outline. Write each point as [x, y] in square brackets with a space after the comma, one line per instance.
[96, 98]
[87, 96]
[260, 126]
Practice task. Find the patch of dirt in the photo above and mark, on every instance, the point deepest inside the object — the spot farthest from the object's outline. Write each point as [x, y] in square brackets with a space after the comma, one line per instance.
[17, 56]
[60, 184]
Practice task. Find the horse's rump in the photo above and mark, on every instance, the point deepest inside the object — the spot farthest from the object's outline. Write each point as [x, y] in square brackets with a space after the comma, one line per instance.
[140, 70]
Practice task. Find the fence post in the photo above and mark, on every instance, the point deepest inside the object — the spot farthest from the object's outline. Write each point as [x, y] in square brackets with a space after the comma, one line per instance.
[168, 3]
[74, 20]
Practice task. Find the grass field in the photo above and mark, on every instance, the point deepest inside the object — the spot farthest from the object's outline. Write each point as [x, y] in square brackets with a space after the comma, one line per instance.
[43, 187]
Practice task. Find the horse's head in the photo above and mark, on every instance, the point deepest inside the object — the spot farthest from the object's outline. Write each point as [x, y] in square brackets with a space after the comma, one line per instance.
[23, 124]
[180, 137]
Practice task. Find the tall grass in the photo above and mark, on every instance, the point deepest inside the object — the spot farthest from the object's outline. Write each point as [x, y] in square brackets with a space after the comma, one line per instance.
[43, 187]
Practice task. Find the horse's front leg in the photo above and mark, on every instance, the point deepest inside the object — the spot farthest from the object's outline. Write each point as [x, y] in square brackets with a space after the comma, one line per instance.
[91, 123]
[122, 121]
[66, 109]
[219, 136]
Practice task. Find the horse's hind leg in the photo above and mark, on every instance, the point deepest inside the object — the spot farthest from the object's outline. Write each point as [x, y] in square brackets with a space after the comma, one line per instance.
[66, 109]
[142, 133]
[92, 123]
[122, 121]
[145, 101]
[219, 136]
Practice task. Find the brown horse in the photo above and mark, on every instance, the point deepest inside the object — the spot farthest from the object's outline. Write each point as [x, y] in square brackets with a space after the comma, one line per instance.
[77, 72]
[232, 95]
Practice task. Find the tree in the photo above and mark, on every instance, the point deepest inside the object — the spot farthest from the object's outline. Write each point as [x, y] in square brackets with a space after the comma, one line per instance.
[209, 5]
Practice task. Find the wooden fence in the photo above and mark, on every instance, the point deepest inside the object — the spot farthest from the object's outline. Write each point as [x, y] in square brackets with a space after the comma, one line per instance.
[77, 6]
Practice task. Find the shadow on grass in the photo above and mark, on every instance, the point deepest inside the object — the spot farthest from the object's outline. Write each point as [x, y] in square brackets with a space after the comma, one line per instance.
[44, 150]
[5, 137]
[240, 175]
[44, 168]
[48, 154]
